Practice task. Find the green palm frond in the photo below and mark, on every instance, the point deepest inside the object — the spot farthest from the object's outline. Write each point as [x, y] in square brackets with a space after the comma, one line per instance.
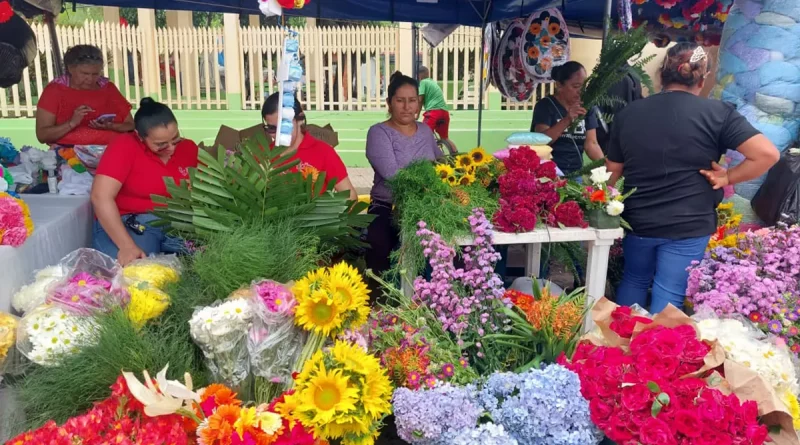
[256, 184]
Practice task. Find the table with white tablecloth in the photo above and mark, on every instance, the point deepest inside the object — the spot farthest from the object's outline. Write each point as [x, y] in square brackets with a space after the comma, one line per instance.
[61, 225]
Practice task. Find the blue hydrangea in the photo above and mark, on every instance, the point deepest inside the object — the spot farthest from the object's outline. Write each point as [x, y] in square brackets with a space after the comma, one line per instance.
[435, 416]
[486, 434]
[540, 407]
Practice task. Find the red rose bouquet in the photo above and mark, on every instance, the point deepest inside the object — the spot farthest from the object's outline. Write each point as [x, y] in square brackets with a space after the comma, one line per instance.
[653, 394]
[529, 193]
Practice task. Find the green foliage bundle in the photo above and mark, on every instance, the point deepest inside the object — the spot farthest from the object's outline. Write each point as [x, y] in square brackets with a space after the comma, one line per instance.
[64, 391]
[618, 49]
[420, 195]
[275, 250]
[255, 185]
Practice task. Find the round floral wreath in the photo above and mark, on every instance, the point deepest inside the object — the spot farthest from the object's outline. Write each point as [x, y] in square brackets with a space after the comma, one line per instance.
[697, 20]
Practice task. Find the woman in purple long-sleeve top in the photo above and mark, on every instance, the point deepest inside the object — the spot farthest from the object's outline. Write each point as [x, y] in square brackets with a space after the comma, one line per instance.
[392, 145]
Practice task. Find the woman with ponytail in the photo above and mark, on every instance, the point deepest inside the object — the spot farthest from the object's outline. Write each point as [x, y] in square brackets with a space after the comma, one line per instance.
[667, 147]
[133, 169]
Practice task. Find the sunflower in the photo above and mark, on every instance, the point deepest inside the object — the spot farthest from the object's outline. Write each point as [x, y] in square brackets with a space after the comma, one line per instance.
[348, 426]
[466, 179]
[354, 359]
[376, 392]
[452, 180]
[327, 395]
[464, 161]
[313, 280]
[443, 171]
[345, 283]
[479, 156]
[320, 312]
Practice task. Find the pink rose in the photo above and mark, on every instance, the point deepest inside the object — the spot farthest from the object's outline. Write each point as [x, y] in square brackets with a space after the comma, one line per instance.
[688, 424]
[657, 432]
[636, 397]
[600, 412]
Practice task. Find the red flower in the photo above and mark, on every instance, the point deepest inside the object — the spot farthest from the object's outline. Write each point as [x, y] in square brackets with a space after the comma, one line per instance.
[5, 12]
[598, 196]
[569, 214]
[623, 322]
[657, 432]
[636, 397]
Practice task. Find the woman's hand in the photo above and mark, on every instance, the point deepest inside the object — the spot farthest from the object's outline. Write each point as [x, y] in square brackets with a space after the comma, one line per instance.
[103, 125]
[78, 115]
[127, 255]
[717, 176]
[576, 111]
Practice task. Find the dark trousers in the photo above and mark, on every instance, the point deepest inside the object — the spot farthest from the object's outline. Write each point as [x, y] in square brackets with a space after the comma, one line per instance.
[383, 238]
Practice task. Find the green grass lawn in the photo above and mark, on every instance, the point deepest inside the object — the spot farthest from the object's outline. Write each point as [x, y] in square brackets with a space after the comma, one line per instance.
[201, 126]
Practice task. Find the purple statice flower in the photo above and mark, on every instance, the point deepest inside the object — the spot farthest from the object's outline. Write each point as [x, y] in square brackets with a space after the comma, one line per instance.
[456, 295]
[435, 416]
[540, 407]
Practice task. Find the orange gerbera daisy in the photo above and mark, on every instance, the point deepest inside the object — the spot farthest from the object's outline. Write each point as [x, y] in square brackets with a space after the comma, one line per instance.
[535, 28]
[553, 28]
[533, 52]
[598, 196]
[222, 395]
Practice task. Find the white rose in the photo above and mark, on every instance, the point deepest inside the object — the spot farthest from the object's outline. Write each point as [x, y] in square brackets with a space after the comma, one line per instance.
[615, 208]
[600, 175]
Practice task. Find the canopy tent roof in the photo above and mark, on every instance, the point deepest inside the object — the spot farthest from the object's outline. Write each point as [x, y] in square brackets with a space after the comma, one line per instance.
[464, 12]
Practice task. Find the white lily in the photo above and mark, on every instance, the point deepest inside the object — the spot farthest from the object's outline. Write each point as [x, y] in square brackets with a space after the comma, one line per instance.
[168, 398]
[600, 175]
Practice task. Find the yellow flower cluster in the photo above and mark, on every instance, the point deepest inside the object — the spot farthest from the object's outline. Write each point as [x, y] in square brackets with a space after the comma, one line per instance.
[466, 168]
[340, 394]
[790, 400]
[728, 222]
[147, 282]
[8, 329]
[331, 300]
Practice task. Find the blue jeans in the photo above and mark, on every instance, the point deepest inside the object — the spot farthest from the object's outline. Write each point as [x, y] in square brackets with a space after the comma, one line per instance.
[660, 263]
[152, 241]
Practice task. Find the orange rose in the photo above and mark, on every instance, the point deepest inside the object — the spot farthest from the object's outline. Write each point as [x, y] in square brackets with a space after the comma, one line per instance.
[598, 196]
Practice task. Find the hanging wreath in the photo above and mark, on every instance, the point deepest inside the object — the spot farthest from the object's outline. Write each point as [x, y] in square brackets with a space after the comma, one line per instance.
[698, 21]
[545, 44]
[515, 83]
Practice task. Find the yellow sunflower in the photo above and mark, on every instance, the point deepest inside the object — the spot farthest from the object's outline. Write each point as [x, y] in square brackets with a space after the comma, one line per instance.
[376, 392]
[452, 180]
[353, 358]
[346, 426]
[326, 395]
[444, 170]
[318, 312]
[464, 161]
[310, 367]
[466, 179]
[479, 156]
[313, 280]
[368, 439]
[345, 282]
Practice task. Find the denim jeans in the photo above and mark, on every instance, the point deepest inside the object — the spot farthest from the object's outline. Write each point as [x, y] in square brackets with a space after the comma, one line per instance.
[152, 241]
[661, 264]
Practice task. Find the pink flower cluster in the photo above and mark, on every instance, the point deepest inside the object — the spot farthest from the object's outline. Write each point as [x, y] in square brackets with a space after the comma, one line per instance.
[118, 420]
[456, 294]
[529, 193]
[84, 294]
[13, 217]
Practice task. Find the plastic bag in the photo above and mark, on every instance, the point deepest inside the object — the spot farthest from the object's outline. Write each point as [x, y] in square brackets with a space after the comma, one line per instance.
[274, 342]
[35, 294]
[90, 155]
[158, 271]
[92, 282]
[780, 193]
[145, 281]
[49, 332]
[8, 334]
[220, 330]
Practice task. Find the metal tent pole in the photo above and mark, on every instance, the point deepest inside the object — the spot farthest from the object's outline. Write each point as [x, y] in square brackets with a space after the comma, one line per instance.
[607, 20]
[58, 61]
[483, 62]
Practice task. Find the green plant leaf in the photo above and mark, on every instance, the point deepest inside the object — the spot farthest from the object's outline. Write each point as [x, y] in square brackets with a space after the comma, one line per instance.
[656, 408]
[663, 398]
[653, 387]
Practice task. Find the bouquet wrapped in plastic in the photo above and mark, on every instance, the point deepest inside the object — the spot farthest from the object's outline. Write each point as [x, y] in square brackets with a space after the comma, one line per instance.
[49, 332]
[90, 155]
[145, 281]
[91, 283]
[8, 333]
[274, 342]
[221, 332]
[34, 294]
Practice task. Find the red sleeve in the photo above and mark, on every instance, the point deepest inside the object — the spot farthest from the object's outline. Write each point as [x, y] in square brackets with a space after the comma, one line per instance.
[48, 101]
[118, 158]
[118, 103]
[190, 159]
[334, 167]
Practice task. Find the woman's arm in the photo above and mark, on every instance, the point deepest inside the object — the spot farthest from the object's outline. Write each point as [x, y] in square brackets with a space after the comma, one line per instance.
[380, 153]
[104, 193]
[48, 132]
[615, 168]
[346, 185]
[591, 146]
[760, 155]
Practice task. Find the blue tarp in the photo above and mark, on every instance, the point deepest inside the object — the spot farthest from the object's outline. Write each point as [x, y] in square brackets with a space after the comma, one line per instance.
[463, 12]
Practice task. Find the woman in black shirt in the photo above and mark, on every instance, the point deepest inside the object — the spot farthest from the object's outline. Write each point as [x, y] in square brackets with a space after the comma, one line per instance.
[554, 115]
[667, 147]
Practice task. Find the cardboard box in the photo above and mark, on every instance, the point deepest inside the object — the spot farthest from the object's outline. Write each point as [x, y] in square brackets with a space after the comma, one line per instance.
[230, 138]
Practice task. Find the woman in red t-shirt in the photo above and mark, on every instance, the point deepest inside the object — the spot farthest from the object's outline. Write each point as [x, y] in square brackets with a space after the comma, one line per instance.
[315, 156]
[81, 107]
[132, 169]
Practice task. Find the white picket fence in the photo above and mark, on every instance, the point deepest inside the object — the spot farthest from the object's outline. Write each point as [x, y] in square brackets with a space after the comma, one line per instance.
[347, 68]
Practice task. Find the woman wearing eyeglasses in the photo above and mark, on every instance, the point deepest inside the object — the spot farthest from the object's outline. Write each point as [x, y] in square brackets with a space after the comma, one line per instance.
[314, 155]
[133, 169]
[82, 107]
